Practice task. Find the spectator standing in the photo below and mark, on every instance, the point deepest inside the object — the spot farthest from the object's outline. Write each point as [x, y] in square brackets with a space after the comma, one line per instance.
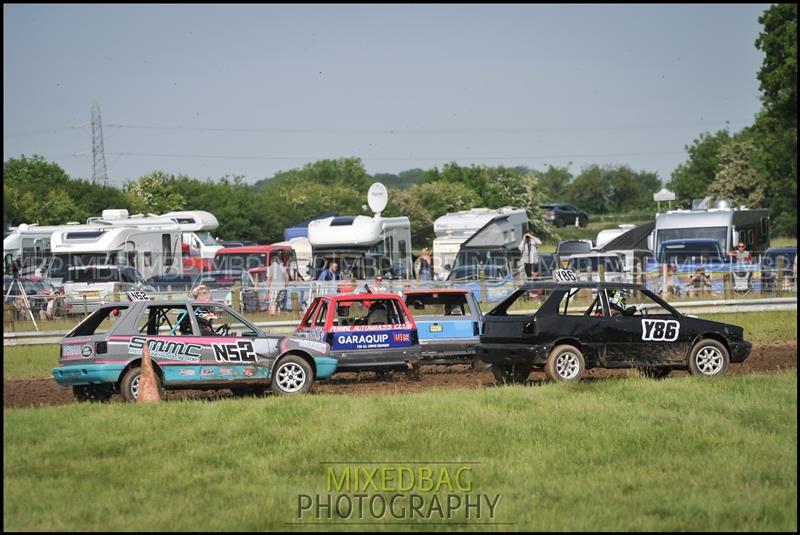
[530, 255]
[424, 265]
[700, 282]
[330, 273]
[277, 277]
[669, 283]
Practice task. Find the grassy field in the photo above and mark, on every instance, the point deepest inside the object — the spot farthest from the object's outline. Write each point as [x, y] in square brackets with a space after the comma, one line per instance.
[31, 362]
[633, 454]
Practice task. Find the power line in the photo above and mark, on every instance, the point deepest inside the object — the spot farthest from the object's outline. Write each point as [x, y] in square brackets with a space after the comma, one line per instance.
[394, 158]
[436, 131]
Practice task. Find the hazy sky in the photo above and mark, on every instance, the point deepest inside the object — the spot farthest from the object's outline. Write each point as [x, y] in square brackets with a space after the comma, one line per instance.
[212, 90]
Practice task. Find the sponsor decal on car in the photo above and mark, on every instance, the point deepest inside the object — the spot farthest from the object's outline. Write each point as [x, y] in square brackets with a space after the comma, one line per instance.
[226, 371]
[660, 330]
[87, 351]
[206, 372]
[71, 351]
[241, 351]
[249, 372]
[165, 349]
[371, 340]
[356, 328]
[184, 371]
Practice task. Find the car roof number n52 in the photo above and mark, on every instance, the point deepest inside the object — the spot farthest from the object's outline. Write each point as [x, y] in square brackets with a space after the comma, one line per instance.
[564, 275]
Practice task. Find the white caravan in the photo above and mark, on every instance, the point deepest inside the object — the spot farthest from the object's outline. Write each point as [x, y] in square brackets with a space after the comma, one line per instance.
[723, 224]
[605, 236]
[29, 246]
[151, 251]
[455, 228]
[363, 246]
[196, 226]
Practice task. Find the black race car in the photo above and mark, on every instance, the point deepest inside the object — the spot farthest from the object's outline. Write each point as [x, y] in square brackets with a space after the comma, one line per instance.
[583, 325]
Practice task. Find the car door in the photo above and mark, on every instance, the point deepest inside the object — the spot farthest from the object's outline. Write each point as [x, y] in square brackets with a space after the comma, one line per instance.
[169, 333]
[576, 319]
[650, 335]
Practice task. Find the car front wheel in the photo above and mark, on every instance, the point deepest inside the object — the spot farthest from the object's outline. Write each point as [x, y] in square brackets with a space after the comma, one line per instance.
[583, 221]
[565, 364]
[709, 358]
[511, 374]
[292, 375]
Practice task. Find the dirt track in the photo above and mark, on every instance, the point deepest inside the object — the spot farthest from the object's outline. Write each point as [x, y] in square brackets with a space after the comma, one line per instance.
[33, 392]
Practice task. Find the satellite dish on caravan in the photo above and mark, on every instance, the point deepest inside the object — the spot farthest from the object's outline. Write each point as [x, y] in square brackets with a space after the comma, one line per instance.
[377, 197]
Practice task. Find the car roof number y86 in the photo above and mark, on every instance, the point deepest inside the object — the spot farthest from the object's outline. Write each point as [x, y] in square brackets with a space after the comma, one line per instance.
[564, 275]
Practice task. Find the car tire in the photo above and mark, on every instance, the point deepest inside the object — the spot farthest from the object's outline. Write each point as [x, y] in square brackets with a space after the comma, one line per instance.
[565, 364]
[583, 221]
[292, 375]
[655, 372]
[129, 385]
[709, 358]
[558, 223]
[511, 374]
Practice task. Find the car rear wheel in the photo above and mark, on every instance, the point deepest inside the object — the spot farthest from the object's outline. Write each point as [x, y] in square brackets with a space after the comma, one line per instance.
[558, 222]
[565, 364]
[129, 386]
[583, 221]
[292, 375]
[709, 358]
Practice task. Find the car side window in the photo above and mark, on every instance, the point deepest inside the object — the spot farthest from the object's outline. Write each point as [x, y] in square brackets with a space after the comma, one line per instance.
[165, 320]
[581, 302]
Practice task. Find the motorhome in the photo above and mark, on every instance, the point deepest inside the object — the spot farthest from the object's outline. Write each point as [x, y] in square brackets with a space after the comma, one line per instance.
[455, 228]
[363, 246]
[605, 236]
[151, 251]
[723, 224]
[28, 246]
[198, 245]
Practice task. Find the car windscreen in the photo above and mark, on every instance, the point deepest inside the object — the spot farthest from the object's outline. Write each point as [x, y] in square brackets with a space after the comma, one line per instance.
[218, 280]
[439, 304]
[238, 261]
[770, 259]
[569, 248]
[678, 253]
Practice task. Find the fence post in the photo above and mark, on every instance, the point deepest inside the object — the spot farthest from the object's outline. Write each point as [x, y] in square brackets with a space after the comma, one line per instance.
[727, 280]
[295, 306]
[8, 317]
[482, 278]
[85, 306]
[601, 271]
[779, 276]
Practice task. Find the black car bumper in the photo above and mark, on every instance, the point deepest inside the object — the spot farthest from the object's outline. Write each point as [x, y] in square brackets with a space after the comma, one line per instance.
[513, 353]
[740, 350]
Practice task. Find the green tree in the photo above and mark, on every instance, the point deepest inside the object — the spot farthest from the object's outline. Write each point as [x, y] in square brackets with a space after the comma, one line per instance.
[692, 178]
[155, 193]
[555, 182]
[738, 179]
[775, 129]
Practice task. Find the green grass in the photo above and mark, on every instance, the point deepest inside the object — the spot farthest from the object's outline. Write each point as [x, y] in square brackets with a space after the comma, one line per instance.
[633, 454]
[37, 362]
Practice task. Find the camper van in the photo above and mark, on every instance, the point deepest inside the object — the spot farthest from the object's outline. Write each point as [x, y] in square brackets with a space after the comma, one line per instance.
[29, 247]
[455, 228]
[723, 224]
[198, 245]
[363, 246]
[151, 251]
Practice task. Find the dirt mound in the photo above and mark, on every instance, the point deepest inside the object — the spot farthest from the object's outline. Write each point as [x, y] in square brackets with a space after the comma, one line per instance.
[34, 392]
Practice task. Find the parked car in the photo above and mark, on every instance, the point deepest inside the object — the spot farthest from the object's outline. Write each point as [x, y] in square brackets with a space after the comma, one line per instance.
[567, 248]
[587, 266]
[769, 267]
[365, 331]
[562, 215]
[88, 287]
[473, 273]
[102, 355]
[173, 282]
[37, 294]
[584, 325]
[448, 324]
[220, 285]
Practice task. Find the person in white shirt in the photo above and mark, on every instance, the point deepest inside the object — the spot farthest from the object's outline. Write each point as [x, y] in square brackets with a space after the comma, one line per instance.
[277, 277]
[530, 256]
